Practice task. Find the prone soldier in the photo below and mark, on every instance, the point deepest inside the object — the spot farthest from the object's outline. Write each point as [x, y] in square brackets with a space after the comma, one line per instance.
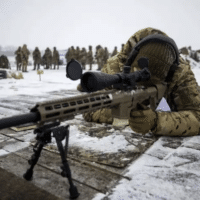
[56, 58]
[18, 58]
[165, 65]
[36, 58]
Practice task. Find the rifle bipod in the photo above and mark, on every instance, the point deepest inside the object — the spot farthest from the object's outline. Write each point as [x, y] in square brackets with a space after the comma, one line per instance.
[44, 137]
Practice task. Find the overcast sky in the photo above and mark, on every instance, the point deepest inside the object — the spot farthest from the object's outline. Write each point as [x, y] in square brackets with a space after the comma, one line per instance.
[63, 23]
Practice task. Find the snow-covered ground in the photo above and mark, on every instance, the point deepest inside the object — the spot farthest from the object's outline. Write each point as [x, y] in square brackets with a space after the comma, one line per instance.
[55, 80]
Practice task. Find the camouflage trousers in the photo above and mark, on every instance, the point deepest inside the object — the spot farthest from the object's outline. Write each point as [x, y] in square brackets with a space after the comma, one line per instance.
[19, 65]
[24, 65]
[100, 64]
[55, 63]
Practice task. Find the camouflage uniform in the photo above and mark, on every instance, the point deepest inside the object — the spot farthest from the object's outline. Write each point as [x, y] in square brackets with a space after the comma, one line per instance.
[70, 54]
[99, 57]
[37, 58]
[122, 47]
[4, 63]
[77, 54]
[24, 57]
[83, 57]
[56, 58]
[47, 58]
[114, 52]
[106, 55]
[90, 57]
[18, 58]
[182, 94]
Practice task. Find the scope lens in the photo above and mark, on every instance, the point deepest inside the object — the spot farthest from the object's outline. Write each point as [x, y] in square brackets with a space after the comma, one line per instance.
[74, 70]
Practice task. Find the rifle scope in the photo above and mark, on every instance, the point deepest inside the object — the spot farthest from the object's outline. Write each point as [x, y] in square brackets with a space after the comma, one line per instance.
[94, 81]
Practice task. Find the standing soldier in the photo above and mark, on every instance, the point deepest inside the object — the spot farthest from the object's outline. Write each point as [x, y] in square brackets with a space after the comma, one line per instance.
[77, 54]
[83, 57]
[70, 54]
[48, 58]
[18, 58]
[24, 56]
[4, 63]
[106, 55]
[56, 58]
[114, 52]
[36, 58]
[90, 57]
[99, 57]
[122, 47]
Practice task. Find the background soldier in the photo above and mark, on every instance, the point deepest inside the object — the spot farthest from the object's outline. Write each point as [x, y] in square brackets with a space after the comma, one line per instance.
[83, 57]
[36, 58]
[56, 58]
[114, 52]
[122, 47]
[47, 58]
[90, 57]
[24, 56]
[4, 63]
[18, 58]
[99, 56]
[77, 54]
[70, 54]
[106, 55]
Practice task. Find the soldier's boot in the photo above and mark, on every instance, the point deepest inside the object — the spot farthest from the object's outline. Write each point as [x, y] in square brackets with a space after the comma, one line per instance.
[54, 66]
[58, 67]
[38, 67]
[90, 66]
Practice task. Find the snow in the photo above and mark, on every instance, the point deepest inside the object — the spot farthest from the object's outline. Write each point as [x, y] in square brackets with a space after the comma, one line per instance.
[146, 181]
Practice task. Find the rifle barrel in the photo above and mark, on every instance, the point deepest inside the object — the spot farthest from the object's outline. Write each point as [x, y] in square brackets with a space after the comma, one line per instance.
[19, 119]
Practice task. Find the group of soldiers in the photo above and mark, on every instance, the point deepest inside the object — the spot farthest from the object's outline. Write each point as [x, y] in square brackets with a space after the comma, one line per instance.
[49, 58]
[84, 57]
[52, 58]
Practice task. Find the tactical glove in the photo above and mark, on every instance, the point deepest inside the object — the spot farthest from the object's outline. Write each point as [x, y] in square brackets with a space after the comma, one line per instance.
[142, 121]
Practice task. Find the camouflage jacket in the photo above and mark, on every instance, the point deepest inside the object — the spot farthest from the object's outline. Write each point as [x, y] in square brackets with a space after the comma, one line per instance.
[36, 55]
[47, 54]
[90, 56]
[100, 53]
[18, 54]
[55, 56]
[83, 56]
[182, 93]
[25, 54]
